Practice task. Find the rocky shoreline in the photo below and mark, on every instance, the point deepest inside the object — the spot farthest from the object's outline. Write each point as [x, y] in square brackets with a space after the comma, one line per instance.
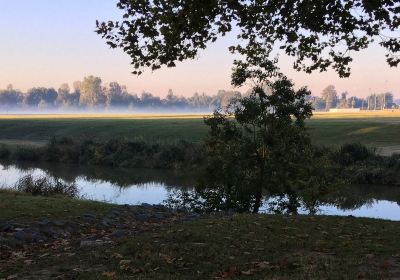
[90, 229]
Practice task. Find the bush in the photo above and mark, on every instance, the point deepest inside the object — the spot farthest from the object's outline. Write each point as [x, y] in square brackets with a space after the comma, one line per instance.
[4, 152]
[45, 187]
[352, 153]
[26, 153]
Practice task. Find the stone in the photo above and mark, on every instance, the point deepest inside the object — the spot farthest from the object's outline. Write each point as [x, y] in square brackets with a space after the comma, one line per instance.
[120, 233]
[59, 223]
[21, 236]
[5, 227]
[146, 205]
[125, 264]
[89, 243]
[88, 217]
[47, 231]
[142, 217]
[160, 215]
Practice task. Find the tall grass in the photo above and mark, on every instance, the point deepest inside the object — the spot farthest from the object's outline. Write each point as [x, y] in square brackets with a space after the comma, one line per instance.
[44, 186]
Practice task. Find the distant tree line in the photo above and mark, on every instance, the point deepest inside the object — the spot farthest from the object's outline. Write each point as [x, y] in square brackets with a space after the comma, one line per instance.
[93, 93]
[330, 99]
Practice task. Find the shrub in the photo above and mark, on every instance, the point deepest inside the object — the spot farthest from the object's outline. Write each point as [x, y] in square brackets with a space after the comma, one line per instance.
[351, 153]
[4, 152]
[26, 153]
[45, 187]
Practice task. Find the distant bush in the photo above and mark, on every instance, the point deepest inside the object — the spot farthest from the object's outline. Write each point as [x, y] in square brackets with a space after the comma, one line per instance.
[26, 153]
[353, 163]
[45, 187]
[4, 152]
[115, 152]
[352, 153]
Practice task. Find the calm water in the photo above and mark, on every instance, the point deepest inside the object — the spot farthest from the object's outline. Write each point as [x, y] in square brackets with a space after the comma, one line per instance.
[153, 186]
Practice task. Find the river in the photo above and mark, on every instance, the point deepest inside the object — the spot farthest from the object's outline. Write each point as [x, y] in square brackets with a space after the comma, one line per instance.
[136, 186]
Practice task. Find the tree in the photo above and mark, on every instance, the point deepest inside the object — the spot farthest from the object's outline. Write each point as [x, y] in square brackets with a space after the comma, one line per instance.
[318, 103]
[45, 96]
[91, 92]
[10, 97]
[264, 146]
[319, 34]
[329, 94]
[116, 95]
[343, 101]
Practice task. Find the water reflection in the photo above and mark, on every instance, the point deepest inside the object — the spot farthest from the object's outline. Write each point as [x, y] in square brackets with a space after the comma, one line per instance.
[134, 186]
[118, 177]
[361, 201]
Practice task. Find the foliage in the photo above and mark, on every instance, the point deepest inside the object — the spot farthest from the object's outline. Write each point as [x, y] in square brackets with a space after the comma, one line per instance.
[114, 152]
[353, 153]
[259, 143]
[329, 95]
[317, 34]
[45, 187]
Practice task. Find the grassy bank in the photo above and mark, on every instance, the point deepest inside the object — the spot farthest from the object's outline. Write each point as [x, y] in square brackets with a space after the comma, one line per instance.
[381, 130]
[20, 206]
[236, 247]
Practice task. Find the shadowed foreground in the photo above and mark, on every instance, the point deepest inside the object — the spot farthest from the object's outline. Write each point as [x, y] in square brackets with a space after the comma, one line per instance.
[212, 247]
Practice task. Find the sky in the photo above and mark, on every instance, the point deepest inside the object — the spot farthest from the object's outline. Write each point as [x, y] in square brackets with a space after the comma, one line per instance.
[50, 42]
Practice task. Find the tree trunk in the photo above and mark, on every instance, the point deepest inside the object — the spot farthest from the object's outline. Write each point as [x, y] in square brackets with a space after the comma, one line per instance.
[257, 203]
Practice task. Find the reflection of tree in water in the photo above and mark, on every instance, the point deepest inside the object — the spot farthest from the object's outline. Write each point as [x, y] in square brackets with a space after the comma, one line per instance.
[352, 197]
[206, 200]
[117, 176]
[221, 199]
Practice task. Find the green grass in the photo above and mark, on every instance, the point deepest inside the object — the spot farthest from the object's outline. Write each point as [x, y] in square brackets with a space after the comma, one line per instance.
[15, 205]
[40, 130]
[379, 131]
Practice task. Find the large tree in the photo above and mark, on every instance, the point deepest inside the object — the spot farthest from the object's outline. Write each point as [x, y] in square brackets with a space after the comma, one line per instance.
[91, 92]
[329, 94]
[319, 34]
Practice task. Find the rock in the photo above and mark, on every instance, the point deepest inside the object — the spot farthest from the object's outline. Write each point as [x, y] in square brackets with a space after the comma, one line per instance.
[125, 264]
[142, 217]
[120, 233]
[90, 243]
[38, 237]
[5, 227]
[160, 215]
[44, 223]
[59, 223]
[21, 236]
[47, 231]
[146, 205]
[191, 217]
[88, 217]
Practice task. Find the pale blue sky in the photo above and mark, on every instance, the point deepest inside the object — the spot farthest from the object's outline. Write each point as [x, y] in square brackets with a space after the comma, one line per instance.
[49, 42]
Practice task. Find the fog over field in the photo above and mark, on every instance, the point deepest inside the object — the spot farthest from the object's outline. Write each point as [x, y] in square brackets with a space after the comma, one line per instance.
[93, 96]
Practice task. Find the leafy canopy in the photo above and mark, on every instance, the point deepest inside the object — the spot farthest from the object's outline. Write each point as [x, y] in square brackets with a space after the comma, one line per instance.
[319, 34]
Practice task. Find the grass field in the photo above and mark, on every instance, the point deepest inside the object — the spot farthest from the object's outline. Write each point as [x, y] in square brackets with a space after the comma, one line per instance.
[378, 129]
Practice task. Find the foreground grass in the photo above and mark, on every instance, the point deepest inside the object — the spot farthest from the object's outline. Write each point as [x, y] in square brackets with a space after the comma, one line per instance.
[381, 130]
[268, 247]
[235, 247]
[19, 206]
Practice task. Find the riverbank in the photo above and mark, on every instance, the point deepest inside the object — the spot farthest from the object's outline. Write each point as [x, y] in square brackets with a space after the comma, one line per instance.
[105, 241]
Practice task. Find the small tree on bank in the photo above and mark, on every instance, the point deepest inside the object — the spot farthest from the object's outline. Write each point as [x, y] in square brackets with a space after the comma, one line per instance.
[259, 143]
